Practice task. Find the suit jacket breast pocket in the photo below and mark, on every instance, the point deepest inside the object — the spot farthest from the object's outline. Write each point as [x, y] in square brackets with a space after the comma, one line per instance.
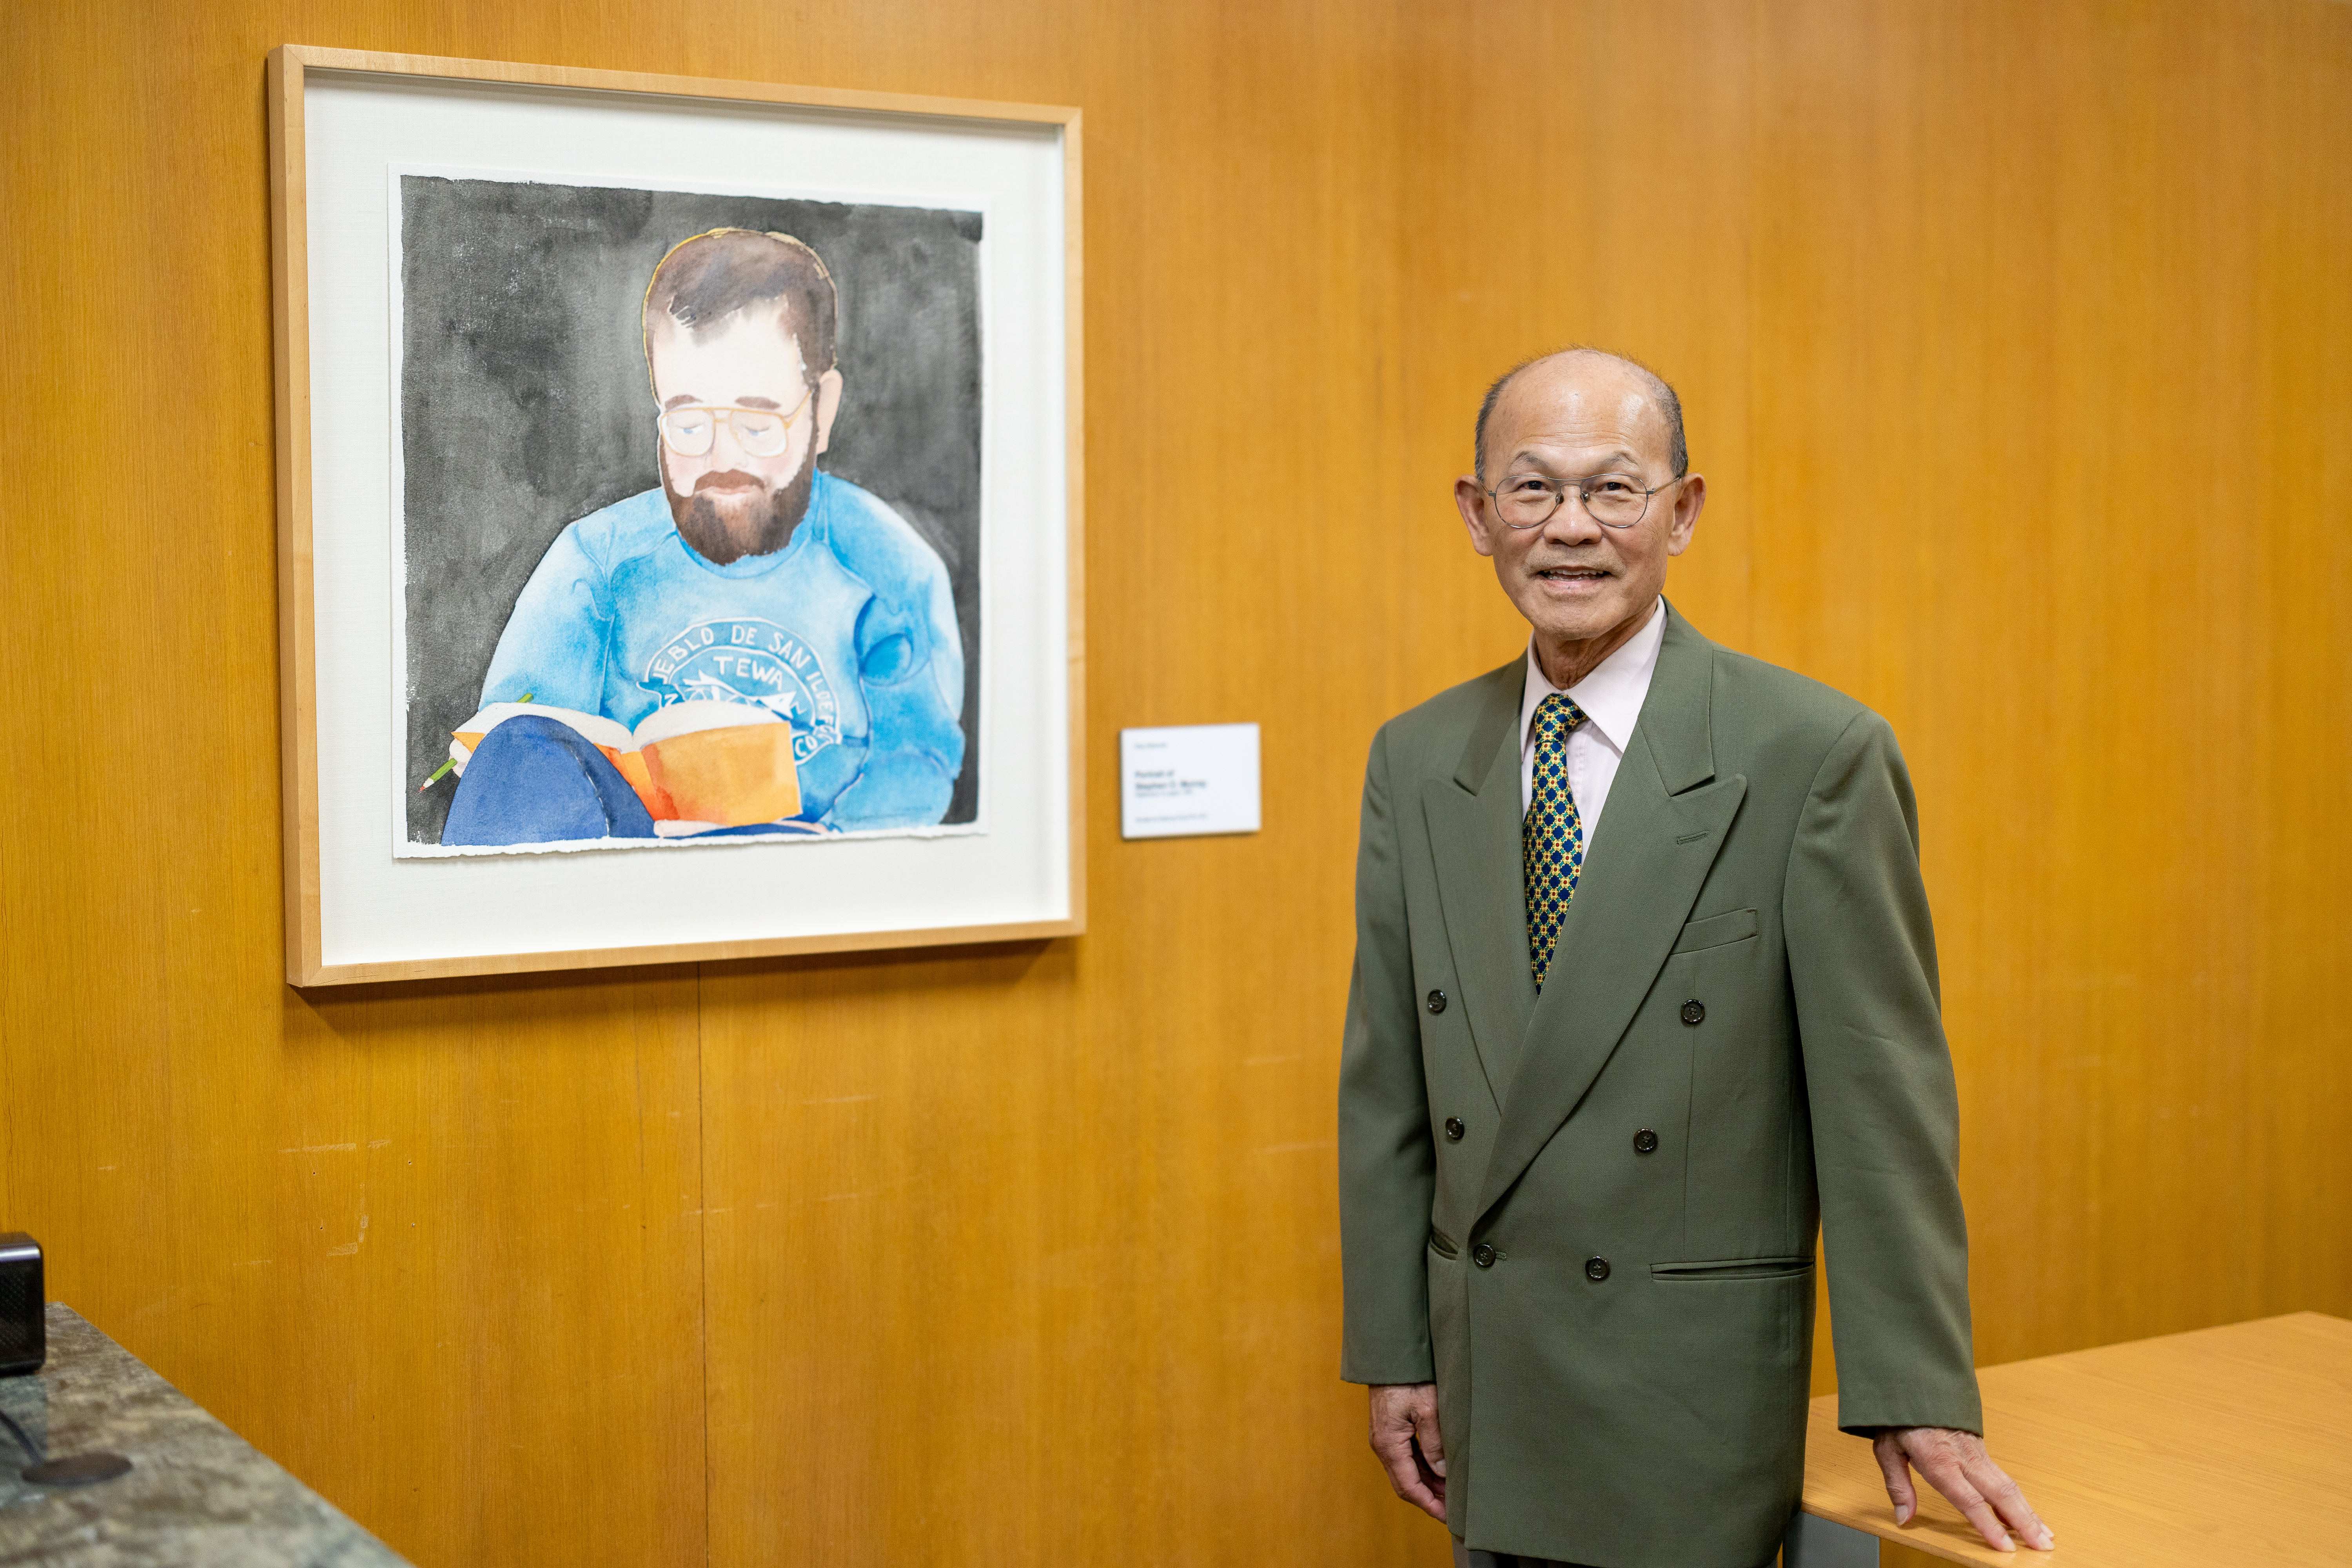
[1715, 931]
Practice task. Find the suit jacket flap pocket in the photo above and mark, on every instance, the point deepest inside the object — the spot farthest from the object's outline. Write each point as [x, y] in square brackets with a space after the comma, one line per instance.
[1735, 1268]
[1715, 931]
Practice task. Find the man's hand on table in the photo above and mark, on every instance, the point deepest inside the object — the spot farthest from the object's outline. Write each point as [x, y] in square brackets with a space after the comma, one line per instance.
[1956, 1464]
[1404, 1435]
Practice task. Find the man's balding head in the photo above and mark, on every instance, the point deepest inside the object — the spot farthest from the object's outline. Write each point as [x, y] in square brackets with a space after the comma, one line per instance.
[1580, 428]
[1661, 395]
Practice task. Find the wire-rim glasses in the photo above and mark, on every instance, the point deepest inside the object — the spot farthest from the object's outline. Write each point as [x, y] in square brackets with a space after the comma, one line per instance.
[692, 429]
[1613, 501]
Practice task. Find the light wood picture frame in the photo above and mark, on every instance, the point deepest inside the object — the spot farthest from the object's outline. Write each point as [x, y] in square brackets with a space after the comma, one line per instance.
[421, 367]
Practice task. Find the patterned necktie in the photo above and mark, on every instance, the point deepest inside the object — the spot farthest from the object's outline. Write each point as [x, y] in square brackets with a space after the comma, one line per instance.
[1551, 840]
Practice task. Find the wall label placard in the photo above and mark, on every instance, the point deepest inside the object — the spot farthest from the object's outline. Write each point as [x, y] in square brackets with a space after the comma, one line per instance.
[1184, 779]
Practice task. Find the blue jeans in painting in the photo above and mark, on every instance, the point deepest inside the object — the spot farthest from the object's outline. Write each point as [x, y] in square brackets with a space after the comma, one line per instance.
[536, 780]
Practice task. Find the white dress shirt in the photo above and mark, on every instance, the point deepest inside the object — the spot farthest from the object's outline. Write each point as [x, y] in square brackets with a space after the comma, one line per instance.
[1611, 698]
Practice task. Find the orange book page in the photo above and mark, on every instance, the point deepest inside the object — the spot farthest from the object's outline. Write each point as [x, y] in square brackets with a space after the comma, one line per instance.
[739, 776]
[641, 779]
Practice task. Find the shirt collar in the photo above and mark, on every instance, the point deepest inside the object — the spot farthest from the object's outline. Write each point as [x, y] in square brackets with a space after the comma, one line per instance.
[1611, 695]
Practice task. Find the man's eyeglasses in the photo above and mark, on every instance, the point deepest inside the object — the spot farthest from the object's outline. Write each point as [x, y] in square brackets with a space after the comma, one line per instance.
[1614, 500]
[691, 430]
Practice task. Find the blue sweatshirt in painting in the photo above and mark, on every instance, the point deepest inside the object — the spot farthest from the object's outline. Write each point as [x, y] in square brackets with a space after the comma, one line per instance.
[848, 632]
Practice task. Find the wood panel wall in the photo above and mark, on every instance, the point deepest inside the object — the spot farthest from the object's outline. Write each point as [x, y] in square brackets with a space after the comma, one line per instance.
[2012, 338]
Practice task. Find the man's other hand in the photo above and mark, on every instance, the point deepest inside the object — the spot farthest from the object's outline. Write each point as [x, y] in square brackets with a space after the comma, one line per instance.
[1956, 1465]
[1404, 1435]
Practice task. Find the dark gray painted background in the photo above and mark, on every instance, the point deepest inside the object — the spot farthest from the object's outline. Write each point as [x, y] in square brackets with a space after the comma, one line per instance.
[523, 403]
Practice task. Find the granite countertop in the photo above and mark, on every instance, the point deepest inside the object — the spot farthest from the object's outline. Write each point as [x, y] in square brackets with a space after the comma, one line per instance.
[198, 1495]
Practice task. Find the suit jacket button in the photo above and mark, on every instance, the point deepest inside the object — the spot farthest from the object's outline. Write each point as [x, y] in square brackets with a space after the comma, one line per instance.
[1436, 1003]
[1693, 1011]
[1645, 1141]
[1454, 1129]
[1596, 1269]
[1483, 1256]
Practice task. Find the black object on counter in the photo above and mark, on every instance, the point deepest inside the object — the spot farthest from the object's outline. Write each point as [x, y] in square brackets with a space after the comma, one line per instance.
[24, 1338]
[25, 1348]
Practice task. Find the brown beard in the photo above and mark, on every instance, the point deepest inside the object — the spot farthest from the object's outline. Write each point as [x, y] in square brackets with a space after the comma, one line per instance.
[724, 528]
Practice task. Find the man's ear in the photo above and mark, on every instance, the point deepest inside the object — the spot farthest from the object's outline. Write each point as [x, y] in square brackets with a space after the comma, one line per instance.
[1690, 500]
[1469, 499]
[828, 404]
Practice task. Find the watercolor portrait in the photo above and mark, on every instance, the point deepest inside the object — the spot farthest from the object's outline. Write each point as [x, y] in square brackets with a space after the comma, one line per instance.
[690, 517]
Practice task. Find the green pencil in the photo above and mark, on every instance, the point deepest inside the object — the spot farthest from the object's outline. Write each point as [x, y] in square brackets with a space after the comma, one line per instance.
[452, 762]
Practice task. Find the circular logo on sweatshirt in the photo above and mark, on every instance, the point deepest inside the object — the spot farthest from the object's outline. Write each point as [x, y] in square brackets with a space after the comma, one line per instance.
[752, 661]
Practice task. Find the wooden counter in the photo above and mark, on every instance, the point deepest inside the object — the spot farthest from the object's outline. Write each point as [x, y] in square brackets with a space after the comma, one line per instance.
[2225, 1446]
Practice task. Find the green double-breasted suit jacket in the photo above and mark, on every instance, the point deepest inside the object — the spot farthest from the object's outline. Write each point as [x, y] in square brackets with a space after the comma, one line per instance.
[1589, 1216]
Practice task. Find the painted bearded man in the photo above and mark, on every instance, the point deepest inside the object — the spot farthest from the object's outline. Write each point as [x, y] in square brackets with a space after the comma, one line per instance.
[747, 577]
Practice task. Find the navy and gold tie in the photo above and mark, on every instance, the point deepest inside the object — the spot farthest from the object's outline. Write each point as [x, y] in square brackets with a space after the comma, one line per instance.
[1551, 840]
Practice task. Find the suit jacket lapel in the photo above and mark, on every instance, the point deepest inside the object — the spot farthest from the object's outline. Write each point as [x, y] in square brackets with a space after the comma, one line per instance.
[1473, 833]
[1664, 822]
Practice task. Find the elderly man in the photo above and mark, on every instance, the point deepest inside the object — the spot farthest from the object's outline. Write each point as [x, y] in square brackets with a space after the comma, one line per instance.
[1645, 989]
[747, 579]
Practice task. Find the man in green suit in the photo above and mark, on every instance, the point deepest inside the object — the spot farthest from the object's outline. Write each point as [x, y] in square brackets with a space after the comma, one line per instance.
[1644, 990]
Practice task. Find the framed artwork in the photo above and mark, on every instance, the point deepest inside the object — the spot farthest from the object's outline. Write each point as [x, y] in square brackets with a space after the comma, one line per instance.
[678, 517]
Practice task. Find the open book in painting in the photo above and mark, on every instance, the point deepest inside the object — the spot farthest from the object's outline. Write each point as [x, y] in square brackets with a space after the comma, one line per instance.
[696, 766]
